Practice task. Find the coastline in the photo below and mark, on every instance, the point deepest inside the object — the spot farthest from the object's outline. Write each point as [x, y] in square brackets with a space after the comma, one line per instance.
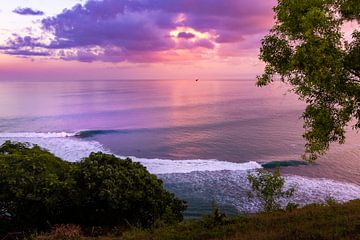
[200, 182]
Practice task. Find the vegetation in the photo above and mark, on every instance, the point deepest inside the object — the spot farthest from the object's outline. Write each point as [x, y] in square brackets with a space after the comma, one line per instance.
[105, 198]
[38, 190]
[269, 188]
[35, 186]
[307, 49]
[121, 192]
[320, 222]
[63, 232]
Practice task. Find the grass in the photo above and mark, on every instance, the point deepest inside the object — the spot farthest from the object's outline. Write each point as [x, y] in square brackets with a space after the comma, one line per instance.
[315, 222]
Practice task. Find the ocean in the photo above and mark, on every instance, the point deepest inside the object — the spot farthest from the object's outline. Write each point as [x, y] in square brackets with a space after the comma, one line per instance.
[200, 137]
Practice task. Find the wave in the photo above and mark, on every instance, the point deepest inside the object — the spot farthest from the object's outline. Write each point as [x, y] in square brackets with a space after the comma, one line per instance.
[164, 166]
[231, 188]
[75, 149]
[37, 135]
[207, 180]
[290, 163]
[61, 144]
[92, 133]
[79, 134]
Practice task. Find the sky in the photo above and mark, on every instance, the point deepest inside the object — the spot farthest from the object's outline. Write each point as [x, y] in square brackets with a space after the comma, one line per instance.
[132, 39]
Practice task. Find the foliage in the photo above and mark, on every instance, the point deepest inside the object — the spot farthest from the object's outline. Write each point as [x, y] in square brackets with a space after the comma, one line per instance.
[340, 222]
[34, 186]
[38, 190]
[121, 192]
[216, 218]
[307, 49]
[330, 201]
[269, 188]
[291, 206]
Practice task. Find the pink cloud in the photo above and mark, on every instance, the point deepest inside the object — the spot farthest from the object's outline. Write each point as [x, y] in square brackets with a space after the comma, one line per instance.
[139, 30]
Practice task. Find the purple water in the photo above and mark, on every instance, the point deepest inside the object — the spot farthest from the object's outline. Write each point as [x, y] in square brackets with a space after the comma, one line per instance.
[159, 121]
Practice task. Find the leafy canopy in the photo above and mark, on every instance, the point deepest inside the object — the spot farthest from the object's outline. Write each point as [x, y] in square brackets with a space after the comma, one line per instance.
[307, 49]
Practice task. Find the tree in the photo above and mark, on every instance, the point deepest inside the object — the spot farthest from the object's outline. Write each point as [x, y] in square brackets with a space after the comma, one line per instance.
[269, 188]
[307, 49]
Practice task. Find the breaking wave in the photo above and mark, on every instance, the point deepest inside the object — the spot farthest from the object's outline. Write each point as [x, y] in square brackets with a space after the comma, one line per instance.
[231, 188]
[291, 163]
[36, 135]
[204, 180]
[92, 133]
[68, 147]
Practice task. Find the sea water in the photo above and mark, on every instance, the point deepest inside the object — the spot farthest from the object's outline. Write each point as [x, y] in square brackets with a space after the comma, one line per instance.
[201, 137]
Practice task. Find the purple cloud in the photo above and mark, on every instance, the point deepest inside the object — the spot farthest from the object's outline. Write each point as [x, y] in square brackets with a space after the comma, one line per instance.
[185, 35]
[205, 43]
[139, 30]
[18, 42]
[27, 53]
[28, 11]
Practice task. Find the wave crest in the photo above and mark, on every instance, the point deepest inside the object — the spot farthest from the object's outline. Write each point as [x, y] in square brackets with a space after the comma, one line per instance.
[37, 135]
[290, 163]
[74, 149]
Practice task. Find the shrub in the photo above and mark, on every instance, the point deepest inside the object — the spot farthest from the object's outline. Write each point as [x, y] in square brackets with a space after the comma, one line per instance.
[291, 206]
[269, 188]
[121, 192]
[34, 186]
[330, 201]
[38, 190]
[216, 218]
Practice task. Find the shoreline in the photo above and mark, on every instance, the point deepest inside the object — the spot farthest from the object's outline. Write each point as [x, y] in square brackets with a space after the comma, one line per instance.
[225, 183]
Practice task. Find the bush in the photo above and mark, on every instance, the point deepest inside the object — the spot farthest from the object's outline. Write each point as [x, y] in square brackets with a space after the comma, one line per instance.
[216, 218]
[34, 186]
[121, 192]
[330, 201]
[291, 206]
[38, 190]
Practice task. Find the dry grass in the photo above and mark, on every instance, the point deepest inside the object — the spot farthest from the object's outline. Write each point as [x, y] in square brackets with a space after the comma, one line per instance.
[313, 222]
[63, 232]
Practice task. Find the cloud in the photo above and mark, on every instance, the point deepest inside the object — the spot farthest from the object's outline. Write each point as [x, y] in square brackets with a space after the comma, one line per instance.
[147, 30]
[27, 53]
[28, 11]
[185, 35]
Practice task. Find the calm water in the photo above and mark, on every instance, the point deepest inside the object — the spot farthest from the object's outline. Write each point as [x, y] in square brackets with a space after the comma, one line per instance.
[178, 129]
[225, 120]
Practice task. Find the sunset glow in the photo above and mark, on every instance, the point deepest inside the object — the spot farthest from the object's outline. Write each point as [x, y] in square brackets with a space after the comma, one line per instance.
[188, 119]
[116, 39]
[132, 39]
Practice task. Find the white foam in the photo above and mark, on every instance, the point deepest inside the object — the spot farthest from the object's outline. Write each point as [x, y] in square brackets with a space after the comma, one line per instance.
[232, 188]
[313, 189]
[164, 166]
[73, 149]
[225, 182]
[37, 135]
[69, 149]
